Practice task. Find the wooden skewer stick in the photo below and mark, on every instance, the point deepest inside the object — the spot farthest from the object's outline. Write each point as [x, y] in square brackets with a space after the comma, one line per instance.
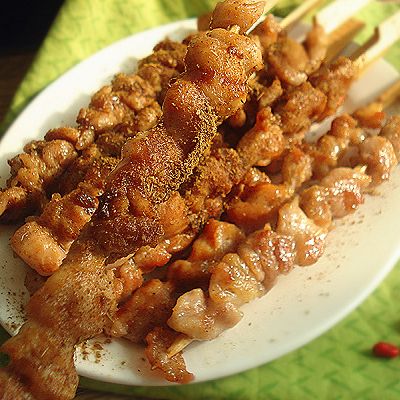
[341, 28]
[341, 37]
[390, 95]
[336, 13]
[268, 5]
[297, 14]
[385, 35]
[386, 99]
[181, 342]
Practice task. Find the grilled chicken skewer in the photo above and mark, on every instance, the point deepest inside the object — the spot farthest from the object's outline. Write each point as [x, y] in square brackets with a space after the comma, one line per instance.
[255, 262]
[378, 170]
[133, 210]
[292, 62]
[162, 342]
[345, 145]
[213, 184]
[326, 89]
[76, 209]
[147, 257]
[184, 376]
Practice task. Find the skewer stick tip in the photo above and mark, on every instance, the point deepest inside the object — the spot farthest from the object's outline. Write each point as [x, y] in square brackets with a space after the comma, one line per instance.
[179, 344]
[341, 37]
[385, 35]
[337, 12]
[298, 13]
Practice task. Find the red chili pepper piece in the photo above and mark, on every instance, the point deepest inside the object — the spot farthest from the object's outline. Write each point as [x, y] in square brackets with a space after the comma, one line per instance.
[385, 350]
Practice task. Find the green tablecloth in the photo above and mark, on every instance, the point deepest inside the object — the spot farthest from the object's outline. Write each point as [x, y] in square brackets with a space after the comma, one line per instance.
[337, 365]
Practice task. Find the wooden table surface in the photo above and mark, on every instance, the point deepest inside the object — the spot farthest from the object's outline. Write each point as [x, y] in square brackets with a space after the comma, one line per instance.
[12, 70]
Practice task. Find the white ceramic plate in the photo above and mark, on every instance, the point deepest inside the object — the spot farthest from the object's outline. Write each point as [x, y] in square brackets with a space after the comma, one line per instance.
[361, 250]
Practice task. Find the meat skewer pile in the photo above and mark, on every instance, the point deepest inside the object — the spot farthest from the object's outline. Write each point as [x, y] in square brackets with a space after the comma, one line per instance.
[229, 266]
[57, 234]
[127, 210]
[309, 245]
[134, 210]
[254, 139]
[222, 274]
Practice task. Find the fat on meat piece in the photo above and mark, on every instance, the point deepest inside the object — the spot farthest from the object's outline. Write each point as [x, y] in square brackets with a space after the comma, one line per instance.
[309, 237]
